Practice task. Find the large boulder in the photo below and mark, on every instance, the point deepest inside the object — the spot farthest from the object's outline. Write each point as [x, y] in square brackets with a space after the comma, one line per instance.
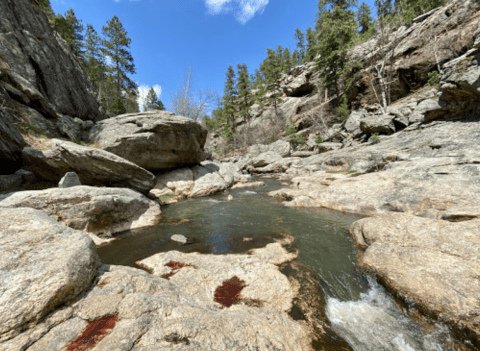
[202, 180]
[93, 166]
[40, 66]
[42, 265]
[98, 211]
[154, 140]
[432, 264]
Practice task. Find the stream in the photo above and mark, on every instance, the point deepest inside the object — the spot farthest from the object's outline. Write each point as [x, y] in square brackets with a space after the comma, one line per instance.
[358, 308]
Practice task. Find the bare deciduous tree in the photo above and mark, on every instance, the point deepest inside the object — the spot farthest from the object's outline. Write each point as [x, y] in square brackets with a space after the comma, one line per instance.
[185, 102]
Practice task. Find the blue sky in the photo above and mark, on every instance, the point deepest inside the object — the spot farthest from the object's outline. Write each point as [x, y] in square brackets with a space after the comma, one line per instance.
[209, 35]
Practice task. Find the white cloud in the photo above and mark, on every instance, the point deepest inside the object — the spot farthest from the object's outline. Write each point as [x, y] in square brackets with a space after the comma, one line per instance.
[143, 91]
[244, 10]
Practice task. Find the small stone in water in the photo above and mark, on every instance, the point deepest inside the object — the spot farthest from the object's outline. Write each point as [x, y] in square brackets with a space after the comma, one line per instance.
[230, 198]
[179, 239]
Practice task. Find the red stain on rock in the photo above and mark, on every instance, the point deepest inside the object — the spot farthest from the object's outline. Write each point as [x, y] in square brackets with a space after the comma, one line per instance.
[229, 292]
[175, 266]
[93, 333]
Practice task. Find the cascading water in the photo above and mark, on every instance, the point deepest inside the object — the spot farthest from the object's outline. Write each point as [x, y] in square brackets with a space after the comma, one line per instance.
[375, 323]
[359, 309]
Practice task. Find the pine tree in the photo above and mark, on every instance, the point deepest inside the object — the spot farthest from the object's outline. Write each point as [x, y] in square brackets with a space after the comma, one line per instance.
[92, 57]
[76, 33]
[365, 21]
[229, 94]
[243, 91]
[286, 61]
[338, 30]
[273, 73]
[300, 37]
[115, 47]
[296, 58]
[47, 9]
[413, 8]
[152, 102]
[310, 52]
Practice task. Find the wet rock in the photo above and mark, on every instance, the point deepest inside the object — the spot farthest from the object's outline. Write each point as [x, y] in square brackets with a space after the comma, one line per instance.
[229, 198]
[69, 179]
[97, 211]
[154, 140]
[428, 263]
[92, 165]
[247, 185]
[42, 264]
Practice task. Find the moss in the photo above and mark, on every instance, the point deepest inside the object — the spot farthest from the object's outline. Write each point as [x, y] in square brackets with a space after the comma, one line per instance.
[166, 196]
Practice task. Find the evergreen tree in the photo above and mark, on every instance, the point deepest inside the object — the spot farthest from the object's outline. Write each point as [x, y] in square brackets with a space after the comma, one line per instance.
[131, 104]
[300, 37]
[152, 102]
[228, 109]
[286, 61]
[47, 9]
[62, 27]
[365, 21]
[92, 57]
[273, 73]
[338, 32]
[296, 58]
[311, 45]
[243, 91]
[413, 8]
[115, 47]
[76, 33]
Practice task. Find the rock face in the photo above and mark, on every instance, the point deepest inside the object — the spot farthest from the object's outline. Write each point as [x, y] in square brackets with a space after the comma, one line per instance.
[154, 140]
[98, 211]
[41, 69]
[93, 166]
[432, 264]
[11, 143]
[42, 265]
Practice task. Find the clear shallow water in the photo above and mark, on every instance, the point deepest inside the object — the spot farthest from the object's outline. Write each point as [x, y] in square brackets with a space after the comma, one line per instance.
[359, 309]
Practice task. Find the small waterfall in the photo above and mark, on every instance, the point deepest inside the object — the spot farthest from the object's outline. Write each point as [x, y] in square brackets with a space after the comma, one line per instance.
[375, 323]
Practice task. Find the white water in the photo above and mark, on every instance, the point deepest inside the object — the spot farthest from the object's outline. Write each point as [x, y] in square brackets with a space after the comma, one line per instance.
[374, 323]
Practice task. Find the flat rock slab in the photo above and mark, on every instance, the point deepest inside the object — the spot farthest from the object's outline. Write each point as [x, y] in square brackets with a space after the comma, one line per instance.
[154, 140]
[433, 264]
[98, 211]
[42, 264]
[93, 166]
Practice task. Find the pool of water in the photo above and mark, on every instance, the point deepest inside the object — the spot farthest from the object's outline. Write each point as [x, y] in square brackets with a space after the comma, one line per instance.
[360, 310]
